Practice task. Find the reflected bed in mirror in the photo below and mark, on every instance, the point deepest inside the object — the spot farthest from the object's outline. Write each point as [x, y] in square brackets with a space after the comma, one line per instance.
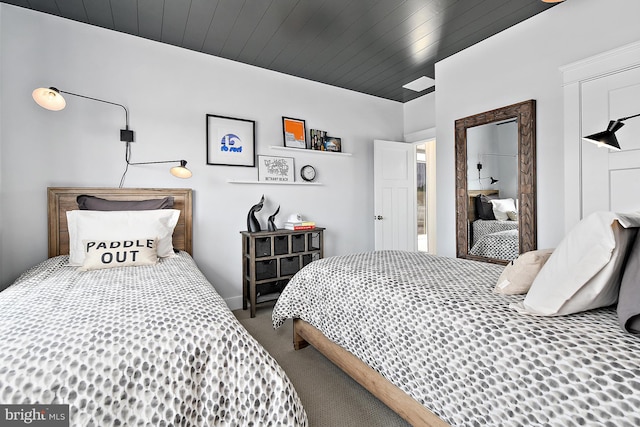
[495, 183]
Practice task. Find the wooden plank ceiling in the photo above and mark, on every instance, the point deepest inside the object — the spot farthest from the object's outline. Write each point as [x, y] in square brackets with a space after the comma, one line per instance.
[369, 46]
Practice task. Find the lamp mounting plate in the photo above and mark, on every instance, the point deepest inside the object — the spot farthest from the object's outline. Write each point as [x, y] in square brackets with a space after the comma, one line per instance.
[126, 135]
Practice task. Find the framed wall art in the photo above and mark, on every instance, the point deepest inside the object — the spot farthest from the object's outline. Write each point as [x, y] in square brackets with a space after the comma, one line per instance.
[231, 141]
[295, 133]
[317, 139]
[275, 169]
[331, 143]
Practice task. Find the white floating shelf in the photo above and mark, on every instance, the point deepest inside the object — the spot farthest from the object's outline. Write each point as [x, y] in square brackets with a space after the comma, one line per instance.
[236, 181]
[306, 150]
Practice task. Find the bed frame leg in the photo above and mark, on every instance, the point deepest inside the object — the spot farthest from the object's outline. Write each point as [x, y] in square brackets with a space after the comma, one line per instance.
[298, 342]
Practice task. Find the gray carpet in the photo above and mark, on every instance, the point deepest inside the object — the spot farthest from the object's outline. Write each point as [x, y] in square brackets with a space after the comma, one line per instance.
[330, 397]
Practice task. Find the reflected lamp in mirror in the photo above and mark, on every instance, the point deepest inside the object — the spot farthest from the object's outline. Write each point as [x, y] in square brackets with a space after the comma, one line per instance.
[493, 180]
[608, 138]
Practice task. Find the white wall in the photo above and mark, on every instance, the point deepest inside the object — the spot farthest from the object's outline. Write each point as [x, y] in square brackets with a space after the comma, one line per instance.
[168, 91]
[518, 64]
[420, 113]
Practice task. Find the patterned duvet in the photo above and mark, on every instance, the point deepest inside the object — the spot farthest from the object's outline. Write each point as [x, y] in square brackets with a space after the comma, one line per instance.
[495, 239]
[152, 345]
[433, 326]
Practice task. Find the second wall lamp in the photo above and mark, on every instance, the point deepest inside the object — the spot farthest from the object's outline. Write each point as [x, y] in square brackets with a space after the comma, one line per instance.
[608, 138]
[51, 98]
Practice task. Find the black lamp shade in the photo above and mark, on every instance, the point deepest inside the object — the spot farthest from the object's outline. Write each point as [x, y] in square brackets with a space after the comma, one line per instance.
[608, 137]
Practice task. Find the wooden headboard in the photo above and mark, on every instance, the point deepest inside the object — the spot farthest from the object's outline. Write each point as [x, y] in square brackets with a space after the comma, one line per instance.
[471, 209]
[63, 199]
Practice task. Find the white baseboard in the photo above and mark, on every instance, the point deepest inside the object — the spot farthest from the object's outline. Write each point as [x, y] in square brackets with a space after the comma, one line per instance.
[234, 303]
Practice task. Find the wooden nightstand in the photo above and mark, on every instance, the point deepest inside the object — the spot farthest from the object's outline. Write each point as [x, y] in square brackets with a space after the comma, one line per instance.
[271, 258]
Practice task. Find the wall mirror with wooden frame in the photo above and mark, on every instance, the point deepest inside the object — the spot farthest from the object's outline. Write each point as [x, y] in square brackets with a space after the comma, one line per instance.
[495, 155]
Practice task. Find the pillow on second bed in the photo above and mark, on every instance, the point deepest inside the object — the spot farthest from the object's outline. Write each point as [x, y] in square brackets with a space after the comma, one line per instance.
[484, 208]
[519, 274]
[120, 225]
[584, 271]
[502, 207]
[629, 298]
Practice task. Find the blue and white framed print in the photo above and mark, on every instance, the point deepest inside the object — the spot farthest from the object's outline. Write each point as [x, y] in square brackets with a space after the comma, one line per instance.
[231, 141]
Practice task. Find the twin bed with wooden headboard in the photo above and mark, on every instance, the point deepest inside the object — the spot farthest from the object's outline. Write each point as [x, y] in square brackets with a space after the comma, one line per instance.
[148, 343]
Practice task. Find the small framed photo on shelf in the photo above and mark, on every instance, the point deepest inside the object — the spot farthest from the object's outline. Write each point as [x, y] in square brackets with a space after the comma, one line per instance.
[294, 132]
[230, 141]
[317, 139]
[331, 143]
[275, 169]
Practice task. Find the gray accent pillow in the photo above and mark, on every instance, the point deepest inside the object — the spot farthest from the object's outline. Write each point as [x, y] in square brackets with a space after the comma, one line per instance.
[484, 208]
[93, 203]
[629, 297]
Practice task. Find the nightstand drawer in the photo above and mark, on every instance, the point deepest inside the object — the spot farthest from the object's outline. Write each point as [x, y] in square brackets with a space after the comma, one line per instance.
[266, 269]
[263, 247]
[289, 265]
[281, 245]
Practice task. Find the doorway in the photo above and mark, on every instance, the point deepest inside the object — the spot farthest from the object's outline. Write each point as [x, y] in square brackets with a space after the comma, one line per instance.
[404, 195]
[425, 196]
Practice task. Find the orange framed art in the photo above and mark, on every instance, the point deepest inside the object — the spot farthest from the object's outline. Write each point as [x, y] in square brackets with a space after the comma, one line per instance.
[294, 132]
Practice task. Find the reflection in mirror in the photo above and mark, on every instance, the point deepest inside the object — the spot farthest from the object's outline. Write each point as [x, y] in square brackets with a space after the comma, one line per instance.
[495, 183]
[492, 152]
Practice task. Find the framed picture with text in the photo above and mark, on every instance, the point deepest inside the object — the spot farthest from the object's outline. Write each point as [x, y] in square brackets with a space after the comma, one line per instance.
[230, 141]
[275, 169]
[294, 132]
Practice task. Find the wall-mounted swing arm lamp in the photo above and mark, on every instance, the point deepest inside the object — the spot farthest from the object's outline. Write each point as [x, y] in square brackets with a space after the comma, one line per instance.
[608, 138]
[177, 171]
[493, 180]
[51, 98]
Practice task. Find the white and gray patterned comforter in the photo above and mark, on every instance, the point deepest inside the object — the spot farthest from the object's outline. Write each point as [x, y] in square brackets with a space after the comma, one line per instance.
[433, 326]
[502, 245]
[495, 239]
[144, 346]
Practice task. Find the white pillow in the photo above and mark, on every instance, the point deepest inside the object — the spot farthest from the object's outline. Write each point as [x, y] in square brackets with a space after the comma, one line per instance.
[119, 225]
[501, 207]
[100, 254]
[584, 271]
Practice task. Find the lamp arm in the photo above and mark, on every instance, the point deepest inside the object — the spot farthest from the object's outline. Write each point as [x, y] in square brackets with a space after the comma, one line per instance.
[154, 163]
[630, 117]
[127, 157]
[126, 112]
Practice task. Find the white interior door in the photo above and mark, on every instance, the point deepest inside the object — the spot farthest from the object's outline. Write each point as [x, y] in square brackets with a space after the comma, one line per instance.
[395, 195]
[610, 178]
